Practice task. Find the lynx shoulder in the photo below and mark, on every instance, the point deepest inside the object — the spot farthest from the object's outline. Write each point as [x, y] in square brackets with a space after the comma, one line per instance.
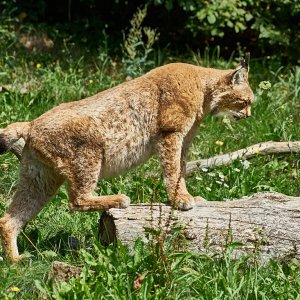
[109, 133]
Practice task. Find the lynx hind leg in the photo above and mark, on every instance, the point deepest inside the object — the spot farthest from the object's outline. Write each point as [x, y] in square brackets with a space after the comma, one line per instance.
[82, 177]
[38, 184]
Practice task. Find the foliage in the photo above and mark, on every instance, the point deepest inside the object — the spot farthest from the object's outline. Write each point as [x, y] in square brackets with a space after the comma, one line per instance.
[268, 23]
[32, 82]
[138, 45]
[265, 27]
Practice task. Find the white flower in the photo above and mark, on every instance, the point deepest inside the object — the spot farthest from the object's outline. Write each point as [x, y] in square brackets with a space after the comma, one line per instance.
[218, 182]
[208, 189]
[246, 164]
[204, 170]
[221, 176]
[236, 170]
[226, 185]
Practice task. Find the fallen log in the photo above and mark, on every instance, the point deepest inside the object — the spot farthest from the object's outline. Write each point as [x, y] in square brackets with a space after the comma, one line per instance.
[265, 223]
[250, 152]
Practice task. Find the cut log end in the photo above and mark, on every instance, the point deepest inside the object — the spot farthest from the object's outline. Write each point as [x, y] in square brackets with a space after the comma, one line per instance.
[107, 229]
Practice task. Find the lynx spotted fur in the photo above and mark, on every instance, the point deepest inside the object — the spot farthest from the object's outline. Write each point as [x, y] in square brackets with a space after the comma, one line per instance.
[109, 133]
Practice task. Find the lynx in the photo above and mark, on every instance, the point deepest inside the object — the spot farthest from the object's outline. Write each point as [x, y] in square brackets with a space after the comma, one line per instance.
[101, 136]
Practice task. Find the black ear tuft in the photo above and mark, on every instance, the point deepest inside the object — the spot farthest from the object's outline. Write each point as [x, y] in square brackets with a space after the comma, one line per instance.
[245, 61]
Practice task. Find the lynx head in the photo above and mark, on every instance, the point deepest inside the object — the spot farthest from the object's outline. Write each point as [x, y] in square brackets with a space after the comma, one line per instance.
[233, 95]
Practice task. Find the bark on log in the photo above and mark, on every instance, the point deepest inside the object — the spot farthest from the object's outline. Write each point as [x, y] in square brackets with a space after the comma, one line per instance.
[265, 222]
[246, 153]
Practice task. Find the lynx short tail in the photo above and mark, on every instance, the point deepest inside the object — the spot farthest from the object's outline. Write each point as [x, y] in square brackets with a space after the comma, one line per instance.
[11, 134]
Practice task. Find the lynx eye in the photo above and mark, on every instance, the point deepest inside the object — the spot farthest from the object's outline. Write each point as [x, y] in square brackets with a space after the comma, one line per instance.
[246, 102]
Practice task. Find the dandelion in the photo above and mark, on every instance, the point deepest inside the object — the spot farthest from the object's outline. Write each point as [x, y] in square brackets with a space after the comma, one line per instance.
[257, 151]
[91, 81]
[219, 143]
[38, 66]
[15, 289]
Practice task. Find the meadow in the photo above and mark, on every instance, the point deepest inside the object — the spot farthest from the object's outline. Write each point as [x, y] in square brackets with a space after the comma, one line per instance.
[32, 82]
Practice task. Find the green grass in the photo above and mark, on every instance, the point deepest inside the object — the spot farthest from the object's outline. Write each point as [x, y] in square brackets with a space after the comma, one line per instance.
[29, 90]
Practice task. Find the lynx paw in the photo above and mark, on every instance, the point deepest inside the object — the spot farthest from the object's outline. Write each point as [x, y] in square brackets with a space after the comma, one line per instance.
[19, 258]
[124, 201]
[184, 202]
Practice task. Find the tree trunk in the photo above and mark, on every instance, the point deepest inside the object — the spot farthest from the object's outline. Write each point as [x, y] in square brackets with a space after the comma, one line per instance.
[265, 222]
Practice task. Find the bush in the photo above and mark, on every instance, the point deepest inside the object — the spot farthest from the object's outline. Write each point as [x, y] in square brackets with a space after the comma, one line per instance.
[272, 26]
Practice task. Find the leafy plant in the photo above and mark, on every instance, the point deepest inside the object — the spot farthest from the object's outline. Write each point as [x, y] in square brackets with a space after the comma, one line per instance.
[138, 45]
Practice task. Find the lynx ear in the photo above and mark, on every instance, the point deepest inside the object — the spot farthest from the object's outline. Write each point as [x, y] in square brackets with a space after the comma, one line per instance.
[239, 76]
[241, 73]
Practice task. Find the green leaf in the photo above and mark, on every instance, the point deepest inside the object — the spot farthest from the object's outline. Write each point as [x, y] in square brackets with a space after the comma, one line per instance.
[248, 17]
[211, 18]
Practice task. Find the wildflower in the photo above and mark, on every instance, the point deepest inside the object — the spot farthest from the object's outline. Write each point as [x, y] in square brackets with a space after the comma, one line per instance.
[265, 85]
[218, 182]
[208, 189]
[257, 151]
[204, 170]
[236, 170]
[15, 289]
[91, 81]
[226, 185]
[138, 281]
[219, 143]
[221, 176]
[5, 166]
[246, 164]
[38, 66]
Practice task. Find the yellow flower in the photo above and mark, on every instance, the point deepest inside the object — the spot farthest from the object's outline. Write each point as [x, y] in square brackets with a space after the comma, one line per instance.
[91, 81]
[257, 151]
[38, 66]
[219, 143]
[15, 289]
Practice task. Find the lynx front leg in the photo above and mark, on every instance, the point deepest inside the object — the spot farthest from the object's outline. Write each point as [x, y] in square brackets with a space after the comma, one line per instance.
[170, 154]
[185, 147]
